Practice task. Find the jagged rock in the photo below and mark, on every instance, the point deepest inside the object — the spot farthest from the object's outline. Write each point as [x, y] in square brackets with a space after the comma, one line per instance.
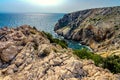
[44, 51]
[7, 78]
[4, 45]
[24, 62]
[9, 53]
[75, 71]
[97, 28]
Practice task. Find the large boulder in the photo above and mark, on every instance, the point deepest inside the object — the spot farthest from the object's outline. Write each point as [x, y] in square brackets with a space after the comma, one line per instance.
[9, 53]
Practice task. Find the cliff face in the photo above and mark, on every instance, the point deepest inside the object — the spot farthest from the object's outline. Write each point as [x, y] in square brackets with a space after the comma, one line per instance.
[98, 28]
[27, 54]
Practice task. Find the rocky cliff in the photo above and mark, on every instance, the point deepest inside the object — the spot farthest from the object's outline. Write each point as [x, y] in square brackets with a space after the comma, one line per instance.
[27, 54]
[99, 28]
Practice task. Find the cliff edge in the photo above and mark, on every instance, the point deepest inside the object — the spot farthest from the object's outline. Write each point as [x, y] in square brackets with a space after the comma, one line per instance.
[98, 28]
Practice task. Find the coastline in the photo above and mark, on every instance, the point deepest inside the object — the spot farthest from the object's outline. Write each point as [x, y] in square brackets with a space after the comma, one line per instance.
[97, 28]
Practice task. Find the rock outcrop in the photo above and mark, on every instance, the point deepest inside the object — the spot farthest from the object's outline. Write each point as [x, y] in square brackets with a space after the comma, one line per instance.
[27, 54]
[98, 28]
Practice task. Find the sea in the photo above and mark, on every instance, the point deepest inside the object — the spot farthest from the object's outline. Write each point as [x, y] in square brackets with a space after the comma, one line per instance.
[43, 22]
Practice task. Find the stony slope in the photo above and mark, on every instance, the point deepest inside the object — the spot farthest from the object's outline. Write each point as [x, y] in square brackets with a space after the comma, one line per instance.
[99, 28]
[27, 54]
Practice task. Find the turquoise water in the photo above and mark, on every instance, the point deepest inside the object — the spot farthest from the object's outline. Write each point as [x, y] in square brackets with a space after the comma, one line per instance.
[43, 22]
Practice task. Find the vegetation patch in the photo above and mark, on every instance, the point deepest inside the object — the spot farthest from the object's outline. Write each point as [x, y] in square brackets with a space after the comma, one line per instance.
[86, 54]
[45, 53]
[63, 43]
[112, 62]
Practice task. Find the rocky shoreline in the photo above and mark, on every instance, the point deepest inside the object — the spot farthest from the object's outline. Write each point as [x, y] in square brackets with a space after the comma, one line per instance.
[97, 28]
[27, 54]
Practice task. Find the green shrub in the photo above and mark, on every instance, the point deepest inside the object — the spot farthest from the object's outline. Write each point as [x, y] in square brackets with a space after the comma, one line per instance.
[44, 53]
[112, 63]
[34, 28]
[60, 42]
[85, 54]
[55, 40]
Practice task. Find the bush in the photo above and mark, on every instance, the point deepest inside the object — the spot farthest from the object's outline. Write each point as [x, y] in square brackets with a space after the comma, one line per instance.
[112, 63]
[55, 40]
[34, 28]
[44, 53]
[85, 54]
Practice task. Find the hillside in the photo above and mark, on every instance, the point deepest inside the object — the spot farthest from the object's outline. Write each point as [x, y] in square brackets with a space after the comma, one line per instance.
[98, 28]
[28, 54]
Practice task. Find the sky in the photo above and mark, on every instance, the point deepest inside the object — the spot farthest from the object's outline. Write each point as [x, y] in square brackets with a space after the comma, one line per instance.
[53, 6]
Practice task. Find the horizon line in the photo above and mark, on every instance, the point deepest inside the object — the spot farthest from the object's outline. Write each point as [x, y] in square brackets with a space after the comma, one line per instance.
[57, 12]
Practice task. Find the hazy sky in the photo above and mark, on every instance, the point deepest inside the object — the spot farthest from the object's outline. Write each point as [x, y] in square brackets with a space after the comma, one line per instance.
[53, 6]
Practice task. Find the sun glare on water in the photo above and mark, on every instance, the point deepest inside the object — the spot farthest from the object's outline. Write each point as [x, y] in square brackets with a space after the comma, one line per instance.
[45, 2]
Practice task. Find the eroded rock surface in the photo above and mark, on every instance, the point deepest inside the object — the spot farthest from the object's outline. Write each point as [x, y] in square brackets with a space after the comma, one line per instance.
[98, 28]
[27, 54]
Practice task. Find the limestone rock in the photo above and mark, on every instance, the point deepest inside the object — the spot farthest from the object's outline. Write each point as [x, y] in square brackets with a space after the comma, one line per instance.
[97, 28]
[9, 53]
[35, 58]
